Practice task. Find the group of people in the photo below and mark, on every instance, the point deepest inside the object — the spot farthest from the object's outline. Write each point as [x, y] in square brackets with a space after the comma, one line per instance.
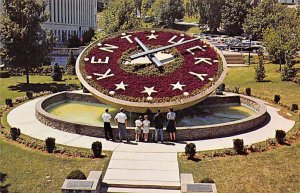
[142, 126]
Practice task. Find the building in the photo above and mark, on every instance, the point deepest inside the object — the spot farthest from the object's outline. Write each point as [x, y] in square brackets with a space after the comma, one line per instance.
[289, 2]
[70, 17]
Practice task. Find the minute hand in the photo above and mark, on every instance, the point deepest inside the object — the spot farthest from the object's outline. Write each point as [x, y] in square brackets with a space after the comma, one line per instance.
[132, 57]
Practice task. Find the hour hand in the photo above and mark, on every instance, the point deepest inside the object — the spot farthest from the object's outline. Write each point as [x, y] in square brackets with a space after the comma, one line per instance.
[151, 57]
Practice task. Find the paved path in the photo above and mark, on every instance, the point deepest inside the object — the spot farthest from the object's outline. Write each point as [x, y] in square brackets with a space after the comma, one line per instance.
[23, 117]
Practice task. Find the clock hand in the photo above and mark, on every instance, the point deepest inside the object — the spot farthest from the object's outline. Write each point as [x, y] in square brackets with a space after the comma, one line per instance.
[151, 57]
[134, 56]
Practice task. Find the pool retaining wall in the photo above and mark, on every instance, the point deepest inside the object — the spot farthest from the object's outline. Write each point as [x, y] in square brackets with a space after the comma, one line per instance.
[183, 133]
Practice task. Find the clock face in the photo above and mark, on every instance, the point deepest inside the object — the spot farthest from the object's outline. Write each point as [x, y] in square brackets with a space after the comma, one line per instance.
[151, 67]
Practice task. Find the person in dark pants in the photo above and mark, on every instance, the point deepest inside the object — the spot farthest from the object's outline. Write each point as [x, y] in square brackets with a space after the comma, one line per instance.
[107, 128]
[158, 125]
[171, 125]
[121, 121]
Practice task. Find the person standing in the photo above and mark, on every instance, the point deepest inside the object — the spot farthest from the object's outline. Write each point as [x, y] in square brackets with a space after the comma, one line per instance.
[171, 125]
[107, 128]
[158, 125]
[121, 121]
[138, 128]
[146, 128]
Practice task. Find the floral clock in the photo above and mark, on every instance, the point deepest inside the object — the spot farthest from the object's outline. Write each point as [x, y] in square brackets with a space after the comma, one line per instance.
[151, 68]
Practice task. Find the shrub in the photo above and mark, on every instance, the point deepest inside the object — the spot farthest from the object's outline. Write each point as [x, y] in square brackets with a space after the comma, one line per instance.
[260, 72]
[280, 136]
[207, 180]
[4, 74]
[50, 144]
[294, 107]
[190, 150]
[57, 73]
[238, 146]
[277, 98]
[219, 91]
[76, 174]
[53, 89]
[222, 87]
[97, 148]
[237, 89]
[29, 94]
[9, 102]
[14, 133]
[248, 91]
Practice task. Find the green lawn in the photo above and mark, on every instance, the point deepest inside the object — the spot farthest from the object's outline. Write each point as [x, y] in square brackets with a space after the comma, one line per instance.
[243, 77]
[27, 169]
[15, 86]
[273, 171]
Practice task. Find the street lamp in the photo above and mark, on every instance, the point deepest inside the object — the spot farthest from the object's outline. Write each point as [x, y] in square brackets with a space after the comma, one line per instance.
[249, 57]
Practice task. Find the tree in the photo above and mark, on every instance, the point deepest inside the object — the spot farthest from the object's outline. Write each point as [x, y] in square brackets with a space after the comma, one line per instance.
[74, 42]
[209, 12]
[234, 13]
[259, 18]
[70, 67]
[120, 15]
[167, 11]
[283, 36]
[146, 7]
[87, 36]
[289, 72]
[25, 43]
[57, 74]
[260, 72]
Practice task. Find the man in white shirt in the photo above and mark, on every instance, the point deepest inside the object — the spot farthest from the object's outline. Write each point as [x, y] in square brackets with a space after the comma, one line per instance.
[121, 121]
[107, 128]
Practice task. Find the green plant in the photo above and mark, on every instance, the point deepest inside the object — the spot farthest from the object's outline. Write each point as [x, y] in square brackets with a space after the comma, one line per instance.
[14, 133]
[277, 98]
[237, 89]
[53, 89]
[222, 87]
[76, 174]
[280, 136]
[9, 102]
[29, 94]
[260, 72]
[207, 180]
[97, 148]
[294, 107]
[4, 74]
[190, 150]
[57, 73]
[238, 146]
[248, 91]
[50, 144]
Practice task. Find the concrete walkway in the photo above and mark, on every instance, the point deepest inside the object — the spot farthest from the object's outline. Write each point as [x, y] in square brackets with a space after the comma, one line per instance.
[23, 117]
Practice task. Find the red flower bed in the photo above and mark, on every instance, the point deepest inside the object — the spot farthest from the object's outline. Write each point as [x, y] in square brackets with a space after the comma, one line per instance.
[161, 84]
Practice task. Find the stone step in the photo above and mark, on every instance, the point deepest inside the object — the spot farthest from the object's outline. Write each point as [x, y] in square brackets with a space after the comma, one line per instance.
[142, 175]
[169, 185]
[144, 156]
[144, 165]
[138, 190]
[236, 62]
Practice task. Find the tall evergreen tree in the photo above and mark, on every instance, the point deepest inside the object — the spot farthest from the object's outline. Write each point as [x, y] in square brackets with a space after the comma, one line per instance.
[260, 72]
[25, 43]
[234, 13]
[70, 67]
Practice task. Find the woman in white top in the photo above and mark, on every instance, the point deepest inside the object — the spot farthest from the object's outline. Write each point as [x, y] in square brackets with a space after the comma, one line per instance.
[138, 128]
[146, 126]
[171, 125]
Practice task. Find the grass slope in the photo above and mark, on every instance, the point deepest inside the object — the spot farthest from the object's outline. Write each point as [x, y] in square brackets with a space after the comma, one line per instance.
[273, 171]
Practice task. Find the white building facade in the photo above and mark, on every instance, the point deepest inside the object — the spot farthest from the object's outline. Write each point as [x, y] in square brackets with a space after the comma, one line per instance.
[70, 17]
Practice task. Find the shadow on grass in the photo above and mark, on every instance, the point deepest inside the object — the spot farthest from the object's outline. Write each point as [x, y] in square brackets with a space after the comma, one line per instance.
[194, 159]
[3, 188]
[39, 87]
